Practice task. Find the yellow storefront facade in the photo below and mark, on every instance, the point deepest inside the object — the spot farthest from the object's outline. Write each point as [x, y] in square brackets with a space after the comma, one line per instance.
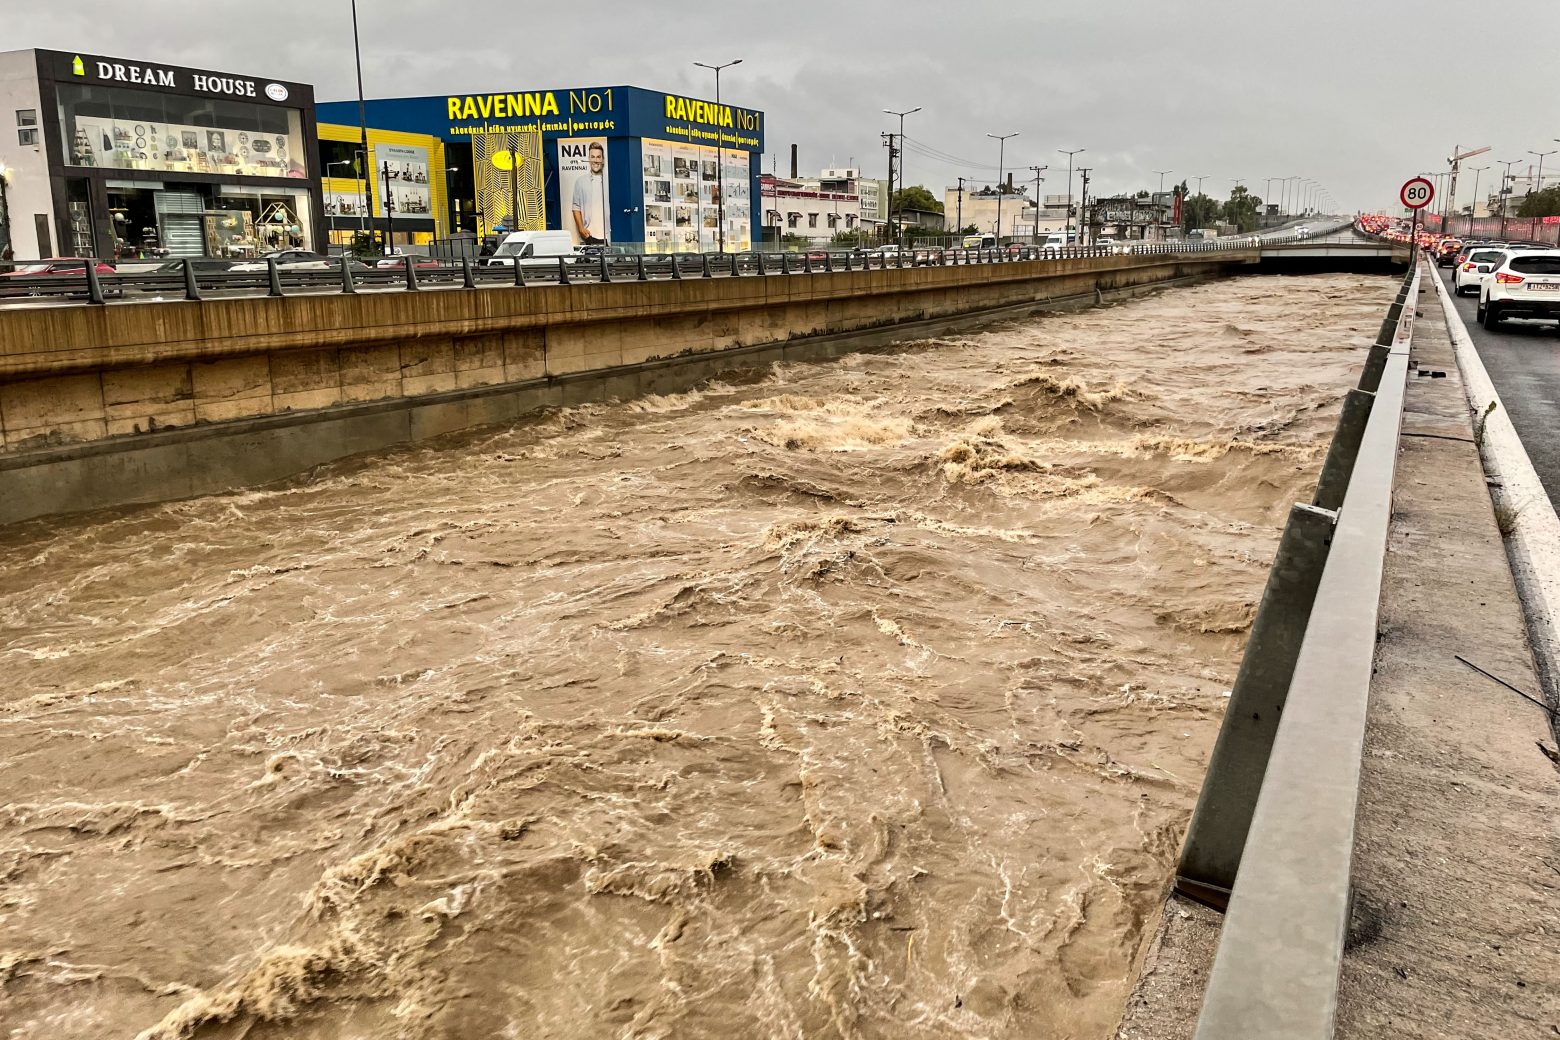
[405, 197]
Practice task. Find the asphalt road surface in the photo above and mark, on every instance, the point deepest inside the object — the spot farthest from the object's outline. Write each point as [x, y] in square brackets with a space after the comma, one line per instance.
[1523, 360]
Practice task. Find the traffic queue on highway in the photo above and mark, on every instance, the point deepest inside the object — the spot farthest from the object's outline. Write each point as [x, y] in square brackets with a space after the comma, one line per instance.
[1514, 279]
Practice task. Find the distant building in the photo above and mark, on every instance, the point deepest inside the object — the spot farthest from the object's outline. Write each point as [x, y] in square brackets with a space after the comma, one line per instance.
[1019, 212]
[813, 208]
[1129, 217]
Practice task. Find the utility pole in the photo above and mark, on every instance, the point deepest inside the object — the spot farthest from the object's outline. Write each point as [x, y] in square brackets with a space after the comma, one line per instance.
[1505, 192]
[1085, 227]
[960, 218]
[1038, 170]
[893, 154]
[389, 214]
[1069, 154]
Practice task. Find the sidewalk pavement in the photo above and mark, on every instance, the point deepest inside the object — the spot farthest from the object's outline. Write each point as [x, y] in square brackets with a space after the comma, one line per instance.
[1456, 929]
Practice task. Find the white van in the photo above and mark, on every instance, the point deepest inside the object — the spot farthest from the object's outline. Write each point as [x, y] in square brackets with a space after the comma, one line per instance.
[986, 241]
[533, 249]
[1058, 240]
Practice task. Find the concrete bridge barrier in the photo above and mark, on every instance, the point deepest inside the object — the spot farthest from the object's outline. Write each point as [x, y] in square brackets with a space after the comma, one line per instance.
[146, 402]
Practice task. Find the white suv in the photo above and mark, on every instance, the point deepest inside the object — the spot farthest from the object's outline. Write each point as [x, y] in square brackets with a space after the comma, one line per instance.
[1472, 272]
[1527, 285]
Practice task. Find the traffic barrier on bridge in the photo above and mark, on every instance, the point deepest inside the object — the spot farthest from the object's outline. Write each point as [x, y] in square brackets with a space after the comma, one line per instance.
[1272, 838]
[269, 278]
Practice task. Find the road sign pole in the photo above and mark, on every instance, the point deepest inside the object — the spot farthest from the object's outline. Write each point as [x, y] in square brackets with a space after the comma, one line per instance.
[1415, 195]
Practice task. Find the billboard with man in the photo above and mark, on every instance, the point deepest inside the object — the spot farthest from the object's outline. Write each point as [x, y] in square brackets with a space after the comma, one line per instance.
[582, 189]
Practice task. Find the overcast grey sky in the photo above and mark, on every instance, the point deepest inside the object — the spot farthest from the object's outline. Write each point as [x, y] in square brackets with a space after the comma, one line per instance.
[1357, 94]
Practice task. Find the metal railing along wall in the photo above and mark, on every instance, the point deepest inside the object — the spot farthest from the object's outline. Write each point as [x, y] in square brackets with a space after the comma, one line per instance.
[1271, 841]
[197, 278]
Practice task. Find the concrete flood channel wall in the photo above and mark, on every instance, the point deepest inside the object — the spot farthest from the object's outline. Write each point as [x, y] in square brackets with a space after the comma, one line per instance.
[145, 402]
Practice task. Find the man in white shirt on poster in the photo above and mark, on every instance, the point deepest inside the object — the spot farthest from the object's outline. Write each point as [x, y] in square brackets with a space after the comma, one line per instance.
[588, 205]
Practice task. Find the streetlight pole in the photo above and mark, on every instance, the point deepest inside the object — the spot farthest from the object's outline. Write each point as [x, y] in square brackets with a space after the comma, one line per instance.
[1157, 210]
[1541, 155]
[1001, 140]
[900, 227]
[720, 155]
[454, 212]
[357, 57]
[1069, 154]
[1473, 210]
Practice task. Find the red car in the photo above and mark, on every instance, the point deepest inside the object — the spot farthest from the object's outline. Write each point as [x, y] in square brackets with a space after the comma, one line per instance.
[57, 265]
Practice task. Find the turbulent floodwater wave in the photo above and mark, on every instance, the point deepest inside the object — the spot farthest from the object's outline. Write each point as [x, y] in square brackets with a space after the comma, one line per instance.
[858, 699]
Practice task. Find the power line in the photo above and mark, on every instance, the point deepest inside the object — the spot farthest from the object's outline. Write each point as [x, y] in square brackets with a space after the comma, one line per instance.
[929, 151]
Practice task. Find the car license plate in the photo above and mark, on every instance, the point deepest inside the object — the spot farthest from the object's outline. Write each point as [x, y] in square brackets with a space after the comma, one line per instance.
[1544, 286]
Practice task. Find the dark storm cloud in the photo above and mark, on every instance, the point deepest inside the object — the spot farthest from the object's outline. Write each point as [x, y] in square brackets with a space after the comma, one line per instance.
[1353, 94]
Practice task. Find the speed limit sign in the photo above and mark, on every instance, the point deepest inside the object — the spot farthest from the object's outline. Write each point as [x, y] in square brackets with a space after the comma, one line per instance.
[1417, 193]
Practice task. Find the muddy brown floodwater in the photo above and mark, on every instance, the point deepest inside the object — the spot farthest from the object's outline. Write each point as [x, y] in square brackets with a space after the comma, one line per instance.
[854, 699]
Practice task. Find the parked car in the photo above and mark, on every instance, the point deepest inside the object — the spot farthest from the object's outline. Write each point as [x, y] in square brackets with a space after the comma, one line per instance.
[1480, 263]
[887, 255]
[57, 266]
[53, 267]
[397, 262]
[201, 264]
[533, 249]
[1524, 285]
[619, 257]
[288, 260]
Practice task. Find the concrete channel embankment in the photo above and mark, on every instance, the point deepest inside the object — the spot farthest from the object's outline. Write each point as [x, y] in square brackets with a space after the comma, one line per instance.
[102, 406]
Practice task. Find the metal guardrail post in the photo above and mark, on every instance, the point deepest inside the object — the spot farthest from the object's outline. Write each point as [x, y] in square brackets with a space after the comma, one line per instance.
[785, 263]
[1217, 835]
[1343, 450]
[191, 286]
[1280, 953]
[411, 275]
[641, 276]
[676, 267]
[828, 262]
[274, 276]
[807, 267]
[563, 270]
[707, 273]
[604, 273]
[468, 279]
[519, 272]
[348, 285]
[94, 283]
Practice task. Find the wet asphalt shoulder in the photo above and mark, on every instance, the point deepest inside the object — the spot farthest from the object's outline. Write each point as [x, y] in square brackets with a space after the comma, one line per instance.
[1523, 360]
